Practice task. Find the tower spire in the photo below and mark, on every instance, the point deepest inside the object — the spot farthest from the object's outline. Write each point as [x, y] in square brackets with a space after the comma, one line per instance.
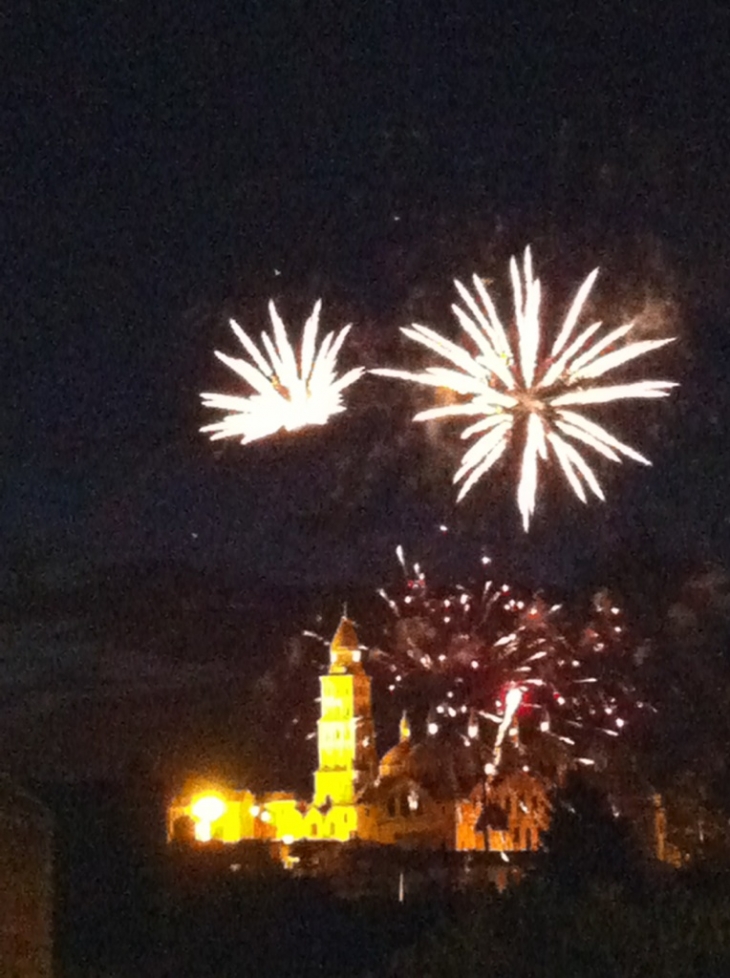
[345, 648]
[405, 728]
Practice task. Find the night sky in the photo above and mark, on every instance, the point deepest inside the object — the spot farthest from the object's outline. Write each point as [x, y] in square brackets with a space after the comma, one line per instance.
[166, 168]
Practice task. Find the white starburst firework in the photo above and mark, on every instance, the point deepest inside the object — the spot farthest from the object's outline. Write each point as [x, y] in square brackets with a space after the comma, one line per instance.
[287, 393]
[515, 393]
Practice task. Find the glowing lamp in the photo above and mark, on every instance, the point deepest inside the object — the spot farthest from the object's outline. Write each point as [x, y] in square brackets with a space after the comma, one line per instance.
[209, 808]
[206, 810]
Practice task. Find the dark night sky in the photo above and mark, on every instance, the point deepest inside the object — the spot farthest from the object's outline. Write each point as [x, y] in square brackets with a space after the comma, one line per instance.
[163, 169]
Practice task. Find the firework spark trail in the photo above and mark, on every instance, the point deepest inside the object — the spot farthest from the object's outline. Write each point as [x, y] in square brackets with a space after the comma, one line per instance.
[512, 701]
[513, 393]
[497, 659]
[288, 393]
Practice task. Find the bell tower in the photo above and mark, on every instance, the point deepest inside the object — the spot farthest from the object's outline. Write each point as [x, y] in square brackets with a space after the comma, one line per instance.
[348, 761]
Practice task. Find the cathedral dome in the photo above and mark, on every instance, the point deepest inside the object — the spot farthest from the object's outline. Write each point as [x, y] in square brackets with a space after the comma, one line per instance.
[433, 767]
[397, 761]
[445, 767]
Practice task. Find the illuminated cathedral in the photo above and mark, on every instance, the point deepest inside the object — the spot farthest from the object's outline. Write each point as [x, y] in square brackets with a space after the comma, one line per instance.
[415, 796]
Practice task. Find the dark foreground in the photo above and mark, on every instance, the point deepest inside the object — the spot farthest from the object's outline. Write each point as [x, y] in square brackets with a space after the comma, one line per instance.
[121, 912]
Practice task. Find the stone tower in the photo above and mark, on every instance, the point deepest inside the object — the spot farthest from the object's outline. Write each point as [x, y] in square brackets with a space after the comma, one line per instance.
[348, 761]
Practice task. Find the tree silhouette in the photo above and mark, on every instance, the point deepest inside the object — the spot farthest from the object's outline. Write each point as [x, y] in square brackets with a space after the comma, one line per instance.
[588, 842]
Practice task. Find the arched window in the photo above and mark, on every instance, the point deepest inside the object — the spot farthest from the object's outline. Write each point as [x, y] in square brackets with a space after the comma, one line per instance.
[413, 799]
[403, 809]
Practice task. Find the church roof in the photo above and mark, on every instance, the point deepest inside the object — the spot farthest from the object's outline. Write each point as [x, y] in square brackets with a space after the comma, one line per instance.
[396, 761]
[445, 768]
[345, 636]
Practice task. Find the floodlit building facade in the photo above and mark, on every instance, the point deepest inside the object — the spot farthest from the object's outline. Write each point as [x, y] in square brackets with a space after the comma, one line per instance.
[426, 796]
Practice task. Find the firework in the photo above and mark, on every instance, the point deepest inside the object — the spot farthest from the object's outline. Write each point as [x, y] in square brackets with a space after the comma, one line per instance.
[507, 667]
[518, 391]
[289, 392]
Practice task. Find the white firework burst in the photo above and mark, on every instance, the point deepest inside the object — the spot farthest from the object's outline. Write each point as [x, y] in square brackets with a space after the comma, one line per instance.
[517, 391]
[288, 392]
